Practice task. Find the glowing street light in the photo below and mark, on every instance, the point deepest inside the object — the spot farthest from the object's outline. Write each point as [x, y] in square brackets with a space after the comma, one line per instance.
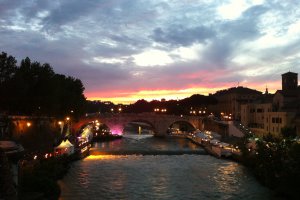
[28, 124]
[120, 109]
[68, 118]
[60, 122]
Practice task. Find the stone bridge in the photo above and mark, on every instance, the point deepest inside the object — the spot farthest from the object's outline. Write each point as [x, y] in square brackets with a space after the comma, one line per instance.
[160, 123]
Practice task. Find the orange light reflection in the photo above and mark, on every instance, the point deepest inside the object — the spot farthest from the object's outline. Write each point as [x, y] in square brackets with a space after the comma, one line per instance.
[102, 157]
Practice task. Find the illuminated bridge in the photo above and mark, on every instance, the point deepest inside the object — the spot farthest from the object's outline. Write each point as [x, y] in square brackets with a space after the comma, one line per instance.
[160, 123]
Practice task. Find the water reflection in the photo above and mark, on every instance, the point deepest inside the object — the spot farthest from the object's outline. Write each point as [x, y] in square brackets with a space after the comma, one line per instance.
[159, 176]
[148, 145]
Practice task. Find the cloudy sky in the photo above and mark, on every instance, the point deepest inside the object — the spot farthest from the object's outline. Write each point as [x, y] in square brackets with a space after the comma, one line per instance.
[124, 50]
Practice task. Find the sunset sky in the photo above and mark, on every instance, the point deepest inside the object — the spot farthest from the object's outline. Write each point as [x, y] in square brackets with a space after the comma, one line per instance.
[125, 50]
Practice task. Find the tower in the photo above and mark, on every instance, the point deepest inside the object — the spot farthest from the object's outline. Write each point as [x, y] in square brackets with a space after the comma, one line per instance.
[289, 81]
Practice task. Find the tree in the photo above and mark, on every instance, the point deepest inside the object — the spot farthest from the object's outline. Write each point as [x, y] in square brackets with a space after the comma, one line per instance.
[7, 67]
[35, 89]
[7, 71]
[288, 132]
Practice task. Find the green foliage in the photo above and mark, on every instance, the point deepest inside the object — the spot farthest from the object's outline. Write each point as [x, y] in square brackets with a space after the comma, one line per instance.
[276, 163]
[35, 89]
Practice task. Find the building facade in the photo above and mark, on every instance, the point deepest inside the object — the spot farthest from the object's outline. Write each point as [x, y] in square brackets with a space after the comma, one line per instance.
[282, 111]
[230, 101]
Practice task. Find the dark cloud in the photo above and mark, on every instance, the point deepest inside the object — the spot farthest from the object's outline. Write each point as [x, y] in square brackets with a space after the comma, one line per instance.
[80, 38]
[182, 36]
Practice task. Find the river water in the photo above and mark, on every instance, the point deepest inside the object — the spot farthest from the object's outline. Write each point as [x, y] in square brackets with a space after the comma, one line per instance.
[168, 169]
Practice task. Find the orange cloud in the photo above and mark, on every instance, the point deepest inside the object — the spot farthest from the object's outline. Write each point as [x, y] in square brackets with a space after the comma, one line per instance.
[127, 97]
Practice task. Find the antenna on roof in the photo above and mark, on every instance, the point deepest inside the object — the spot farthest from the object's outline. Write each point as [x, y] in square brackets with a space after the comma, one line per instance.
[266, 92]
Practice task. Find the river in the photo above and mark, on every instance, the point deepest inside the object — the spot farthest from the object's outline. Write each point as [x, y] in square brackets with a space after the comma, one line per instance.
[168, 169]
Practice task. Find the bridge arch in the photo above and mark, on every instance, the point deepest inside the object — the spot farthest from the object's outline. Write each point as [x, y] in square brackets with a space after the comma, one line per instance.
[181, 126]
[117, 122]
[142, 124]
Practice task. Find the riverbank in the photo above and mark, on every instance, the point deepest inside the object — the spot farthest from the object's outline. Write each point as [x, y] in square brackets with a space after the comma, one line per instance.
[274, 162]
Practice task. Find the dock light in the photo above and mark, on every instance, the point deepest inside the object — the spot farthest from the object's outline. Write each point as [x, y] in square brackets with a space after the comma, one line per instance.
[35, 157]
[112, 110]
[60, 123]
[68, 118]
[28, 124]
[120, 109]
[72, 111]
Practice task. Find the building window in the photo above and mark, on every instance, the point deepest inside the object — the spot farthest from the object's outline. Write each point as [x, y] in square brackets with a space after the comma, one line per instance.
[259, 110]
[276, 120]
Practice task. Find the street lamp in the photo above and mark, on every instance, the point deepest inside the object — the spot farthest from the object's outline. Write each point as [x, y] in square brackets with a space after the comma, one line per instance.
[28, 124]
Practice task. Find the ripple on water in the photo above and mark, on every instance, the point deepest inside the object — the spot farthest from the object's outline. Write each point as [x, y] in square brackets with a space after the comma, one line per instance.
[157, 177]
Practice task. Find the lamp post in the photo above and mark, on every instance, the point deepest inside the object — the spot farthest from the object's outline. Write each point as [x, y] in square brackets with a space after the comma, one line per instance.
[61, 125]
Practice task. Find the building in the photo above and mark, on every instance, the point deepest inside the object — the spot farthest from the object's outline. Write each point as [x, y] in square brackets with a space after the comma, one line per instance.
[230, 100]
[272, 113]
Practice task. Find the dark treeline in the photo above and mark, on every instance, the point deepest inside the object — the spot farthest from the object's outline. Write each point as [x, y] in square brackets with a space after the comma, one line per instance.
[33, 88]
[173, 106]
[176, 107]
